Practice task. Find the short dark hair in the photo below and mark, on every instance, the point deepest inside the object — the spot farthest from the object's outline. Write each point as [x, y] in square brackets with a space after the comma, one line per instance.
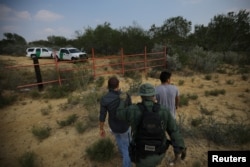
[113, 83]
[165, 75]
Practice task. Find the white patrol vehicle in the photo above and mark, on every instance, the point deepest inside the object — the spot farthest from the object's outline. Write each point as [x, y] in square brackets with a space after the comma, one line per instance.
[71, 54]
[39, 52]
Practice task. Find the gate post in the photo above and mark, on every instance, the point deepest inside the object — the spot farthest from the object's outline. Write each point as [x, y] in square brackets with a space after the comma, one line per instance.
[38, 73]
[93, 62]
[145, 60]
[165, 57]
[122, 55]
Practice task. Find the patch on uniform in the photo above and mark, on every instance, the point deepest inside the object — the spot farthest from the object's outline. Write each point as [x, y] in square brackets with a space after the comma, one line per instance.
[149, 148]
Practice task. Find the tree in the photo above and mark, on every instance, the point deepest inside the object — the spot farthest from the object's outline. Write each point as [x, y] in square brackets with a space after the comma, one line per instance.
[134, 39]
[58, 41]
[13, 44]
[175, 30]
[14, 39]
[229, 32]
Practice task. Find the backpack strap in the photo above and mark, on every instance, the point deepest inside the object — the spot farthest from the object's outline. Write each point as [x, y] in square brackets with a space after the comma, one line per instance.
[142, 107]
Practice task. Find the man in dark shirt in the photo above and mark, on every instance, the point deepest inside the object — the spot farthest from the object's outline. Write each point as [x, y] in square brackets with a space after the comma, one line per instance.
[120, 129]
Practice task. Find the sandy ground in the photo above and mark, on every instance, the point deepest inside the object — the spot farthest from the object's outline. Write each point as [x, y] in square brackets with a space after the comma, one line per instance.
[65, 147]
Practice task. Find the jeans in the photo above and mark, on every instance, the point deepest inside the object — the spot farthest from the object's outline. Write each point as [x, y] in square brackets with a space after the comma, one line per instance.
[122, 140]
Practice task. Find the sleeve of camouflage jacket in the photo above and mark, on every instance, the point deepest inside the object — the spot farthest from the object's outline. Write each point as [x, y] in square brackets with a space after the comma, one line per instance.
[173, 131]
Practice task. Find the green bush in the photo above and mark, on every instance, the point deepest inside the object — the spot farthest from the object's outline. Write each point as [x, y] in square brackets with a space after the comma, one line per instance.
[70, 120]
[56, 92]
[27, 159]
[134, 87]
[215, 92]
[180, 82]
[244, 77]
[192, 96]
[41, 132]
[230, 82]
[81, 127]
[197, 121]
[35, 94]
[73, 100]
[205, 111]
[91, 102]
[203, 61]
[208, 77]
[47, 110]
[183, 100]
[7, 100]
[227, 134]
[100, 81]
[133, 75]
[101, 151]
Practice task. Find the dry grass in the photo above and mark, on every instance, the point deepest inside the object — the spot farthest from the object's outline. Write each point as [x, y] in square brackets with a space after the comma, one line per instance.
[65, 146]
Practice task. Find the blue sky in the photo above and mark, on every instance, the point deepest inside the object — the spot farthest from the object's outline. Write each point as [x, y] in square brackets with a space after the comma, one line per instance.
[38, 19]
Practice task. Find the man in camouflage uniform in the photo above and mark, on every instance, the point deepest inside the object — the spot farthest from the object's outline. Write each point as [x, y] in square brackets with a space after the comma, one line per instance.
[133, 114]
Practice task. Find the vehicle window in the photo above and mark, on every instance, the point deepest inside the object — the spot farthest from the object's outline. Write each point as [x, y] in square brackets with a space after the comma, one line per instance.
[74, 50]
[45, 50]
[38, 50]
[31, 50]
[64, 51]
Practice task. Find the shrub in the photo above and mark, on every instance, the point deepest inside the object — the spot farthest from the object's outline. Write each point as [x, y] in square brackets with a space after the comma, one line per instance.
[35, 94]
[101, 151]
[227, 134]
[100, 81]
[81, 127]
[197, 121]
[41, 132]
[134, 87]
[204, 61]
[27, 159]
[215, 92]
[230, 82]
[205, 111]
[208, 77]
[7, 100]
[73, 100]
[56, 92]
[153, 74]
[183, 100]
[181, 82]
[91, 103]
[192, 96]
[244, 77]
[133, 75]
[47, 110]
[70, 120]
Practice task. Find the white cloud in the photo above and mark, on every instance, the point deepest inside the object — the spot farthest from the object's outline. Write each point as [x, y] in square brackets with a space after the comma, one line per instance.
[25, 15]
[191, 1]
[4, 12]
[8, 14]
[49, 30]
[45, 15]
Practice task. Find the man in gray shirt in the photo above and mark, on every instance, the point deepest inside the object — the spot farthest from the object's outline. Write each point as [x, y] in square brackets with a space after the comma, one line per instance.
[167, 94]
